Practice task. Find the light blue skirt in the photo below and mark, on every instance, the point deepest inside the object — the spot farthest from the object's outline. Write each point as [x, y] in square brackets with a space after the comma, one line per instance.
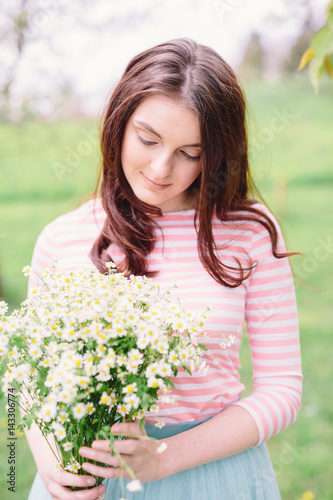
[245, 476]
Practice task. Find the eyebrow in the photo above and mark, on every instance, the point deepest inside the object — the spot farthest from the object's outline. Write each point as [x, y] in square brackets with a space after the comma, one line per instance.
[150, 129]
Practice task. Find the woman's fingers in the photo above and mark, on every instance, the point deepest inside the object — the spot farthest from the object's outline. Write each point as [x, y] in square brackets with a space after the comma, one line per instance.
[65, 478]
[108, 472]
[104, 457]
[110, 465]
[127, 446]
[100, 445]
[61, 481]
[59, 492]
[128, 428]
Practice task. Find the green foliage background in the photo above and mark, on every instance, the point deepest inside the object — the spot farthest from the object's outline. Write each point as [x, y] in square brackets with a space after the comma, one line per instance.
[46, 168]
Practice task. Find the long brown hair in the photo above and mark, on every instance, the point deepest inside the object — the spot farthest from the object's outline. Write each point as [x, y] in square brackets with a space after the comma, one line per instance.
[197, 76]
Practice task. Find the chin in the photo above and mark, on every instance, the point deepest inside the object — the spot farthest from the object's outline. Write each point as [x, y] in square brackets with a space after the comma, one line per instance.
[150, 200]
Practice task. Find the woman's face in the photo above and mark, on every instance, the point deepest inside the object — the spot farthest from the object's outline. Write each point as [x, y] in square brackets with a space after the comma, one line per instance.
[161, 153]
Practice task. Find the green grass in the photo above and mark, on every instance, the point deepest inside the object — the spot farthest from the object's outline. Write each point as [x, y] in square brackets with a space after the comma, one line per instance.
[292, 166]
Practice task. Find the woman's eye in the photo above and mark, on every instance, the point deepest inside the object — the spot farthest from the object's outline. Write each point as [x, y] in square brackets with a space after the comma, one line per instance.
[191, 158]
[146, 143]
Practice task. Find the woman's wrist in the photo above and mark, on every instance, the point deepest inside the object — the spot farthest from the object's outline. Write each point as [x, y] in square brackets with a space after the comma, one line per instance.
[166, 461]
[45, 471]
[226, 434]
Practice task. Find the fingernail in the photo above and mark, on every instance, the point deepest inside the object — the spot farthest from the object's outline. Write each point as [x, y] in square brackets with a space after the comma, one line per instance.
[91, 481]
[102, 489]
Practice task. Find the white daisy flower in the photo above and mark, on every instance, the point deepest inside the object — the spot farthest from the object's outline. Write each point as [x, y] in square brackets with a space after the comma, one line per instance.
[35, 352]
[22, 371]
[162, 346]
[173, 358]
[3, 349]
[79, 411]
[73, 467]
[134, 486]
[152, 333]
[62, 417]
[59, 431]
[162, 448]
[82, 381]
[156, 383]
[132, 400]
[3, 340]
[151, 370]
[130, 388]
[154, 409]
[48, 411]
[103, 371]
[164, 369]
[26, 270]
[124, 409]
[90, 408]
[67, 395]
[3, 307]
[135, 355]
[107, 399]
[142, 341]
[110, 265]
[160, 425]
[67, 446]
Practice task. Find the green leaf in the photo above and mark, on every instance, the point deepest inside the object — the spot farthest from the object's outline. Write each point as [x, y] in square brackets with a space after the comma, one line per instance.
[142, 423]
[328, 63]
[315, 71]
[322, 42]
[306, 57]
[203, 347]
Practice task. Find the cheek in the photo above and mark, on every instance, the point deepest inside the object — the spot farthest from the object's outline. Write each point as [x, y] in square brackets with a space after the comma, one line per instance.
[133, 156]
[194, 175]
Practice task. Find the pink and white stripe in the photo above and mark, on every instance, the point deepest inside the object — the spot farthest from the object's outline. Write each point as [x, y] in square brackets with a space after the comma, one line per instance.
[265, 301]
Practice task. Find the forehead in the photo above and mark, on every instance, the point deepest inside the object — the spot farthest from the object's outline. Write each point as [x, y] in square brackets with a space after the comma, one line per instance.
[167, 115]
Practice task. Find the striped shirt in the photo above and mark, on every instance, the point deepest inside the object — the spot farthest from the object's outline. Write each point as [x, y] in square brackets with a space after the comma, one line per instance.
[265, 301]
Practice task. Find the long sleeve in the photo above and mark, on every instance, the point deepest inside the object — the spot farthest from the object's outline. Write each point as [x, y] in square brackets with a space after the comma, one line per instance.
[68, 240]
[272, 328]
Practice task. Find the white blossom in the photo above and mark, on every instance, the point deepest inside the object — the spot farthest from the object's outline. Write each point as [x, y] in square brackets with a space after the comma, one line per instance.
[79, 411]
[134, 486]
[162, 448]
[96, 342]
[27, 270]
[48, 412]
[3, 307]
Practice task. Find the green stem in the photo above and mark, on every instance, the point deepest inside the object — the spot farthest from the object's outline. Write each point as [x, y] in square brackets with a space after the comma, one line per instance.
[122, 462]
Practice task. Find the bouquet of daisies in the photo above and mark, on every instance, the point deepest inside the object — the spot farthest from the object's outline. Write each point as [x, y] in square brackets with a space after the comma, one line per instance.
[89, 350]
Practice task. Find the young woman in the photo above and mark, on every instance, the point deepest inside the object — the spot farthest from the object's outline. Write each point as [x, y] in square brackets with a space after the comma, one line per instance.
[174, 204]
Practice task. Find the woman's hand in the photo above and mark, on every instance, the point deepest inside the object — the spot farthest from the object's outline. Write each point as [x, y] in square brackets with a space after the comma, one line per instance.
[139, 454]
[58, 480]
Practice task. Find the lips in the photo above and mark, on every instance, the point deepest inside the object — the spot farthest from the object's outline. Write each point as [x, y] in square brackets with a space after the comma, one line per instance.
[154, 185]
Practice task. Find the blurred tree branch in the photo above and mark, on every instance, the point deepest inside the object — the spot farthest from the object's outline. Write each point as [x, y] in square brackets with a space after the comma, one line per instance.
[18, 29]
[24, 23]
[14, 32]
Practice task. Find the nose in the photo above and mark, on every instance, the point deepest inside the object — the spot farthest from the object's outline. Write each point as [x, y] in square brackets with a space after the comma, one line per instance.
[161, 166]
